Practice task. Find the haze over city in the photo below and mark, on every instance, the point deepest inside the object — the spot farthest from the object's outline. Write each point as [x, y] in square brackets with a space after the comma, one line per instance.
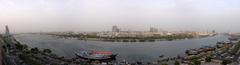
[101, 15]
[119, 32]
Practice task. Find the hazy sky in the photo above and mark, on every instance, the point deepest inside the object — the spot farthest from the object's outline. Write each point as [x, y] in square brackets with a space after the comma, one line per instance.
[101, 15]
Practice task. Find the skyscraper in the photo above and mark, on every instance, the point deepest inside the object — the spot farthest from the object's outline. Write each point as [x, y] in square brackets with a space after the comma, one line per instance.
[153, 29]
[7, 33]
[115, 29]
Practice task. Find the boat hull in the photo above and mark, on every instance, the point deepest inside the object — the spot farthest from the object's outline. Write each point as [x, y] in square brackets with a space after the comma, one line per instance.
[111, 57]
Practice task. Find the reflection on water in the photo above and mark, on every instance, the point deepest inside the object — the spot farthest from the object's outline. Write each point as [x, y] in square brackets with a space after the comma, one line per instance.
[130, 51]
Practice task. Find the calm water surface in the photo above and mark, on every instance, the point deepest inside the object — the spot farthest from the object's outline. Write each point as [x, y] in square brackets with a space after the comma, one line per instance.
[130, 51]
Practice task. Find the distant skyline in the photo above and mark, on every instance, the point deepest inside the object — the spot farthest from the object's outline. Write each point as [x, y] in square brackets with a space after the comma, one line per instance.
[101, 15]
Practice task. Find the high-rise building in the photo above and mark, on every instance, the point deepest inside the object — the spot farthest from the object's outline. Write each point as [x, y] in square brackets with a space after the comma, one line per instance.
[115, 29]
[153, 29]
[7, 33]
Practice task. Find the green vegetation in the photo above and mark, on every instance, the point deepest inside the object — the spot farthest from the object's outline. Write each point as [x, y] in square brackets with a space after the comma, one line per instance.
[195, 58]
[225, 62]
[164, 64]
[47, 51]
[177, 63]
[132, 39]
[196, 62]
[28, 59]
[33, 56]
[236, 48]
[21, 47]
[208, 59]
[35, 50]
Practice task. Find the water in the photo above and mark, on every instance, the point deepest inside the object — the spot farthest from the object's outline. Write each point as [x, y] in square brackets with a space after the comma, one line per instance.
[130, 51]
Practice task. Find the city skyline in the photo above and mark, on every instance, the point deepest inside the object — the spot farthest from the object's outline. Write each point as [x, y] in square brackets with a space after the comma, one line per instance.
[95, 15]
[117, 29]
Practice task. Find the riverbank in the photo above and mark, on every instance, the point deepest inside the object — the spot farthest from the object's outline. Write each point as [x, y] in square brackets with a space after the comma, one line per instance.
[15, 53]
[38, 55]
[143, 51]
[130, 39]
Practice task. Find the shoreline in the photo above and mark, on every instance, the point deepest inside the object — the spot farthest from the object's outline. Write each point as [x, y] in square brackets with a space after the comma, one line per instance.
[165, 60]
[128, 40]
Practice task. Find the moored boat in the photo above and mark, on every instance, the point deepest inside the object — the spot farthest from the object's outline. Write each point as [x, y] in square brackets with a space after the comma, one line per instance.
[233, 39]
[96, 55]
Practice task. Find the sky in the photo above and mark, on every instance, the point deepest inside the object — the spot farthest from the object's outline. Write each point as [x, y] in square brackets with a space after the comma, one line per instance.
[136, 15]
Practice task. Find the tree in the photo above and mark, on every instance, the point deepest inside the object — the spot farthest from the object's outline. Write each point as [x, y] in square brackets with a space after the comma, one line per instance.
[4, 47]
[35, 50]
[208, 59]
[196, 62]
[8, 46]
[19, 46]
[28, 59]
[47, 51]
[177, 63]
[25, 46]
[225, 62]
[164, 64]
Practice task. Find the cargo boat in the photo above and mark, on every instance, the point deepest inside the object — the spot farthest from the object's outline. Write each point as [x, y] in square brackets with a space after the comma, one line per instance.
[233, 39]
[96, 55]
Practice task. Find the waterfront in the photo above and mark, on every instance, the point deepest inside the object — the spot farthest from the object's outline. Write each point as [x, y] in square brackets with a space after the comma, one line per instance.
[137, 51]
